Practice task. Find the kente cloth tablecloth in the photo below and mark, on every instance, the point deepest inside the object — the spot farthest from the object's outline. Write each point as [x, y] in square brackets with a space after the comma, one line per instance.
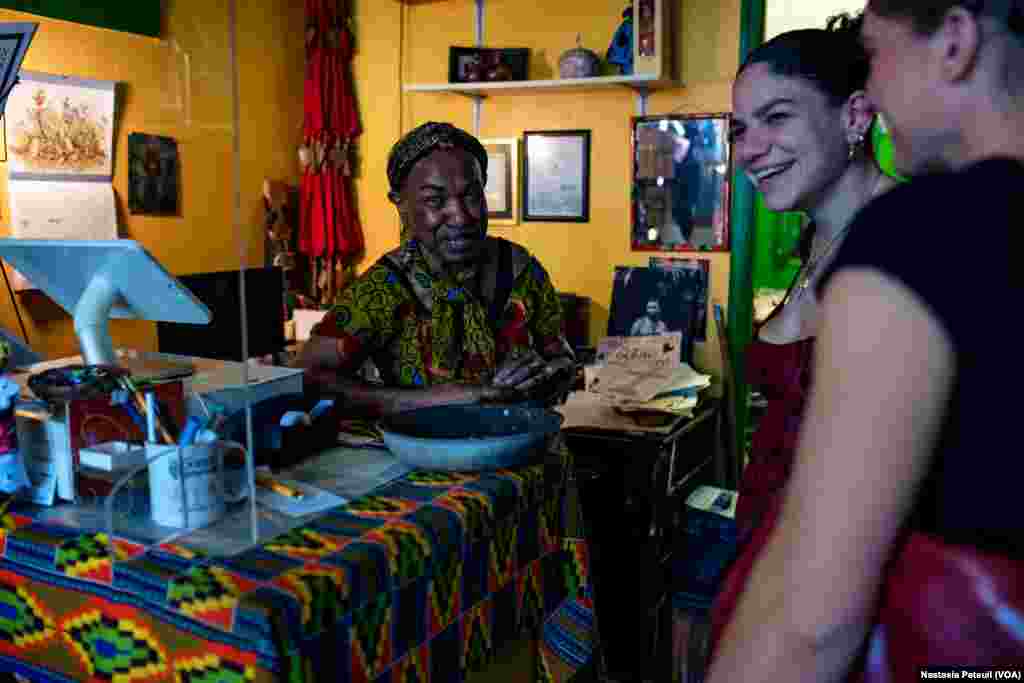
[420, 581]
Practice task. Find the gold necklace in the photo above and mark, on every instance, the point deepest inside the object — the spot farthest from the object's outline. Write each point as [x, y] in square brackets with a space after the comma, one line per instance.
[812, 263]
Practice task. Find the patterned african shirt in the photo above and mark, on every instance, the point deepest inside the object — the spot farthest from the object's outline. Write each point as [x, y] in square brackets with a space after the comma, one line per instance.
[420, 328]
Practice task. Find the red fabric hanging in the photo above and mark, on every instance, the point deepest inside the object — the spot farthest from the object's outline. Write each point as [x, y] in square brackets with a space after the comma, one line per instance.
[330, 225]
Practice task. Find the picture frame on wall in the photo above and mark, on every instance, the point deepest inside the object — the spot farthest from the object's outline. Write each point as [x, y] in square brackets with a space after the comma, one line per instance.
[650, 301]
[556, 176]
[487, 64]
[681, 171]
[502, 190]
[153, 175]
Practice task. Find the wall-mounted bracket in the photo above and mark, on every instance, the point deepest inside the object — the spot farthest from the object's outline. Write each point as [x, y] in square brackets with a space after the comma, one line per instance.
[477, 110]
[642, 94]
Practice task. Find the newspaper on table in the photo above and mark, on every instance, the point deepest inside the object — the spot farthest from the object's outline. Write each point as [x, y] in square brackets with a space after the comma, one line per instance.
[645, 374]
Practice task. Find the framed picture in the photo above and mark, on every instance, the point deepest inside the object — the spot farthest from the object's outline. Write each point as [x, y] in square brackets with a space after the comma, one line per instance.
[77, 140]
[691, 279]
[556, 176]
[653, 301]
[152, 174]
[475, 64]
[502, 189]
[681, 177]
[652, 48]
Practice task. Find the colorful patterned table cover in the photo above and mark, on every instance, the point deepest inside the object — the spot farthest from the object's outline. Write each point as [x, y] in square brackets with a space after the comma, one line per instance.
[419, 581]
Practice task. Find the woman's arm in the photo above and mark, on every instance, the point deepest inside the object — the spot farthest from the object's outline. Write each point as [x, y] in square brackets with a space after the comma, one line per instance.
[883, 375]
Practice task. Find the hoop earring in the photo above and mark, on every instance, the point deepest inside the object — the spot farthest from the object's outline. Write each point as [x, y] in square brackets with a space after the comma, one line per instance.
[856, 145]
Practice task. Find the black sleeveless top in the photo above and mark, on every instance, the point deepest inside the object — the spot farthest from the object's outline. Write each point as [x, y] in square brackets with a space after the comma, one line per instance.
[947, 237]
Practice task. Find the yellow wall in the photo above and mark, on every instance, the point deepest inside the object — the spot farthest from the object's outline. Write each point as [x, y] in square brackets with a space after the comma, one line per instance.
[410, 42]
[148, 71]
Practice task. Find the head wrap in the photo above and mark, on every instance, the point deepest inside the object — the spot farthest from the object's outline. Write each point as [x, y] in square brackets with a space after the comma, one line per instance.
[421, 141]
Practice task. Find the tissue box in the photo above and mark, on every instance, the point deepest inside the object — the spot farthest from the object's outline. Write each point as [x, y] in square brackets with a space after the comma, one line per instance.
[221, 382]
[112, 456]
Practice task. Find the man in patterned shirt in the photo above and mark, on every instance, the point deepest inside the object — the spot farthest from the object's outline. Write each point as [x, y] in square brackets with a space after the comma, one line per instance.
[452, 315]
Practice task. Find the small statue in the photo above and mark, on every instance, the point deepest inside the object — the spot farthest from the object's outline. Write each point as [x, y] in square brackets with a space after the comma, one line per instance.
[280, 223]
[620, 52]
[13, 476]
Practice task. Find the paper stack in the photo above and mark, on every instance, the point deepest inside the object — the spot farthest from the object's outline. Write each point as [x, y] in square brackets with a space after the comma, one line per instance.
[644, 374]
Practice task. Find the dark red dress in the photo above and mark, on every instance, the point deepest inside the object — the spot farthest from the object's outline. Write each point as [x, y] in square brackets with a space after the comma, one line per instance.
[782, 372]
[983, 593]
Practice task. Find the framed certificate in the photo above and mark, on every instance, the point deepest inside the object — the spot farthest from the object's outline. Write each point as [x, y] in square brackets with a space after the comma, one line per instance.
[502, 189]
[556, 176]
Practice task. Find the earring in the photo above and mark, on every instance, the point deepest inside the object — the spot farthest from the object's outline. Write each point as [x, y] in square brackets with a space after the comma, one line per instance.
[855, 146]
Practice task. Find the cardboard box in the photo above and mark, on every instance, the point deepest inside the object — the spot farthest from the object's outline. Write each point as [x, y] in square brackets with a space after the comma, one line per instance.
[305, 319]
[221, 382]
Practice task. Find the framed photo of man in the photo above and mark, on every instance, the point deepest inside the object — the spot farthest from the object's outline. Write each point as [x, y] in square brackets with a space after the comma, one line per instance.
[649, 301]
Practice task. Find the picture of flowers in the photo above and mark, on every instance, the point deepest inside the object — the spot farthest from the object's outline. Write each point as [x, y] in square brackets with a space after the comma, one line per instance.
[60, 126]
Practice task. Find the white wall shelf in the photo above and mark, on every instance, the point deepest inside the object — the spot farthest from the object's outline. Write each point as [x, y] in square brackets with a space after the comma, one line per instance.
[640, 83]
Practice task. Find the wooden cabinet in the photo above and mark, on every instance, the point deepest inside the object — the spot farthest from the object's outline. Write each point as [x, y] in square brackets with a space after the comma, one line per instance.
[632, 487]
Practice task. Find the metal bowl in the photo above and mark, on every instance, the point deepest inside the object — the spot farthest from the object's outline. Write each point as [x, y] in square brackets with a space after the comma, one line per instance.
[579, 62]
[469, 437]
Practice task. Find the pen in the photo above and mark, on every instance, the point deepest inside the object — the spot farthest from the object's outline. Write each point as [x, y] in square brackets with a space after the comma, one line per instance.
[120, 398]
[193, 425]
[143, 406]
[277, 487]
[151, 418]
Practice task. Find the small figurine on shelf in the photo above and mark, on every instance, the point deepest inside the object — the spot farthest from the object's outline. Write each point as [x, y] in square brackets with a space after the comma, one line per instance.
[279, 205]
[620, 52]
[13, 476]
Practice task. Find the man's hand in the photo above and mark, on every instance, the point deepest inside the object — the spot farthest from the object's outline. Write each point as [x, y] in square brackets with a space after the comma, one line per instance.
[519, 369]
[528, 372]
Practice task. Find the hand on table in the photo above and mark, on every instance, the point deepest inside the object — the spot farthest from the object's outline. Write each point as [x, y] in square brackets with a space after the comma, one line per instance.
[454, 393]
[527, 372]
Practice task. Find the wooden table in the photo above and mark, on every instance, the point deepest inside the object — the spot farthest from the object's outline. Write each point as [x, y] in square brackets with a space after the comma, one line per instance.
[421, 579]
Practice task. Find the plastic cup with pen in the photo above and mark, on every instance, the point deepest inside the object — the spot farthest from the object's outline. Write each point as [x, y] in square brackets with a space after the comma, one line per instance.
[188, 487]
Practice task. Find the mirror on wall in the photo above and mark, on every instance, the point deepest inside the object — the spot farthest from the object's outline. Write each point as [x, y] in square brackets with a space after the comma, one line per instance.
[680, 186]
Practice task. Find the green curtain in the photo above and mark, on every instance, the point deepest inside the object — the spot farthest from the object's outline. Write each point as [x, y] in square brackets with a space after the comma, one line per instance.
[131, 16]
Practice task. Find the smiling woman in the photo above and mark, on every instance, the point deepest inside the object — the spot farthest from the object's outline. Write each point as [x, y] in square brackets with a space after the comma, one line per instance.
[801, 132]
[899, 544]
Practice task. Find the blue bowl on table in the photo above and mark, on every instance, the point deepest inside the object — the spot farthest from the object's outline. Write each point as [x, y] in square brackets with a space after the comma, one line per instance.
[469, 437]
